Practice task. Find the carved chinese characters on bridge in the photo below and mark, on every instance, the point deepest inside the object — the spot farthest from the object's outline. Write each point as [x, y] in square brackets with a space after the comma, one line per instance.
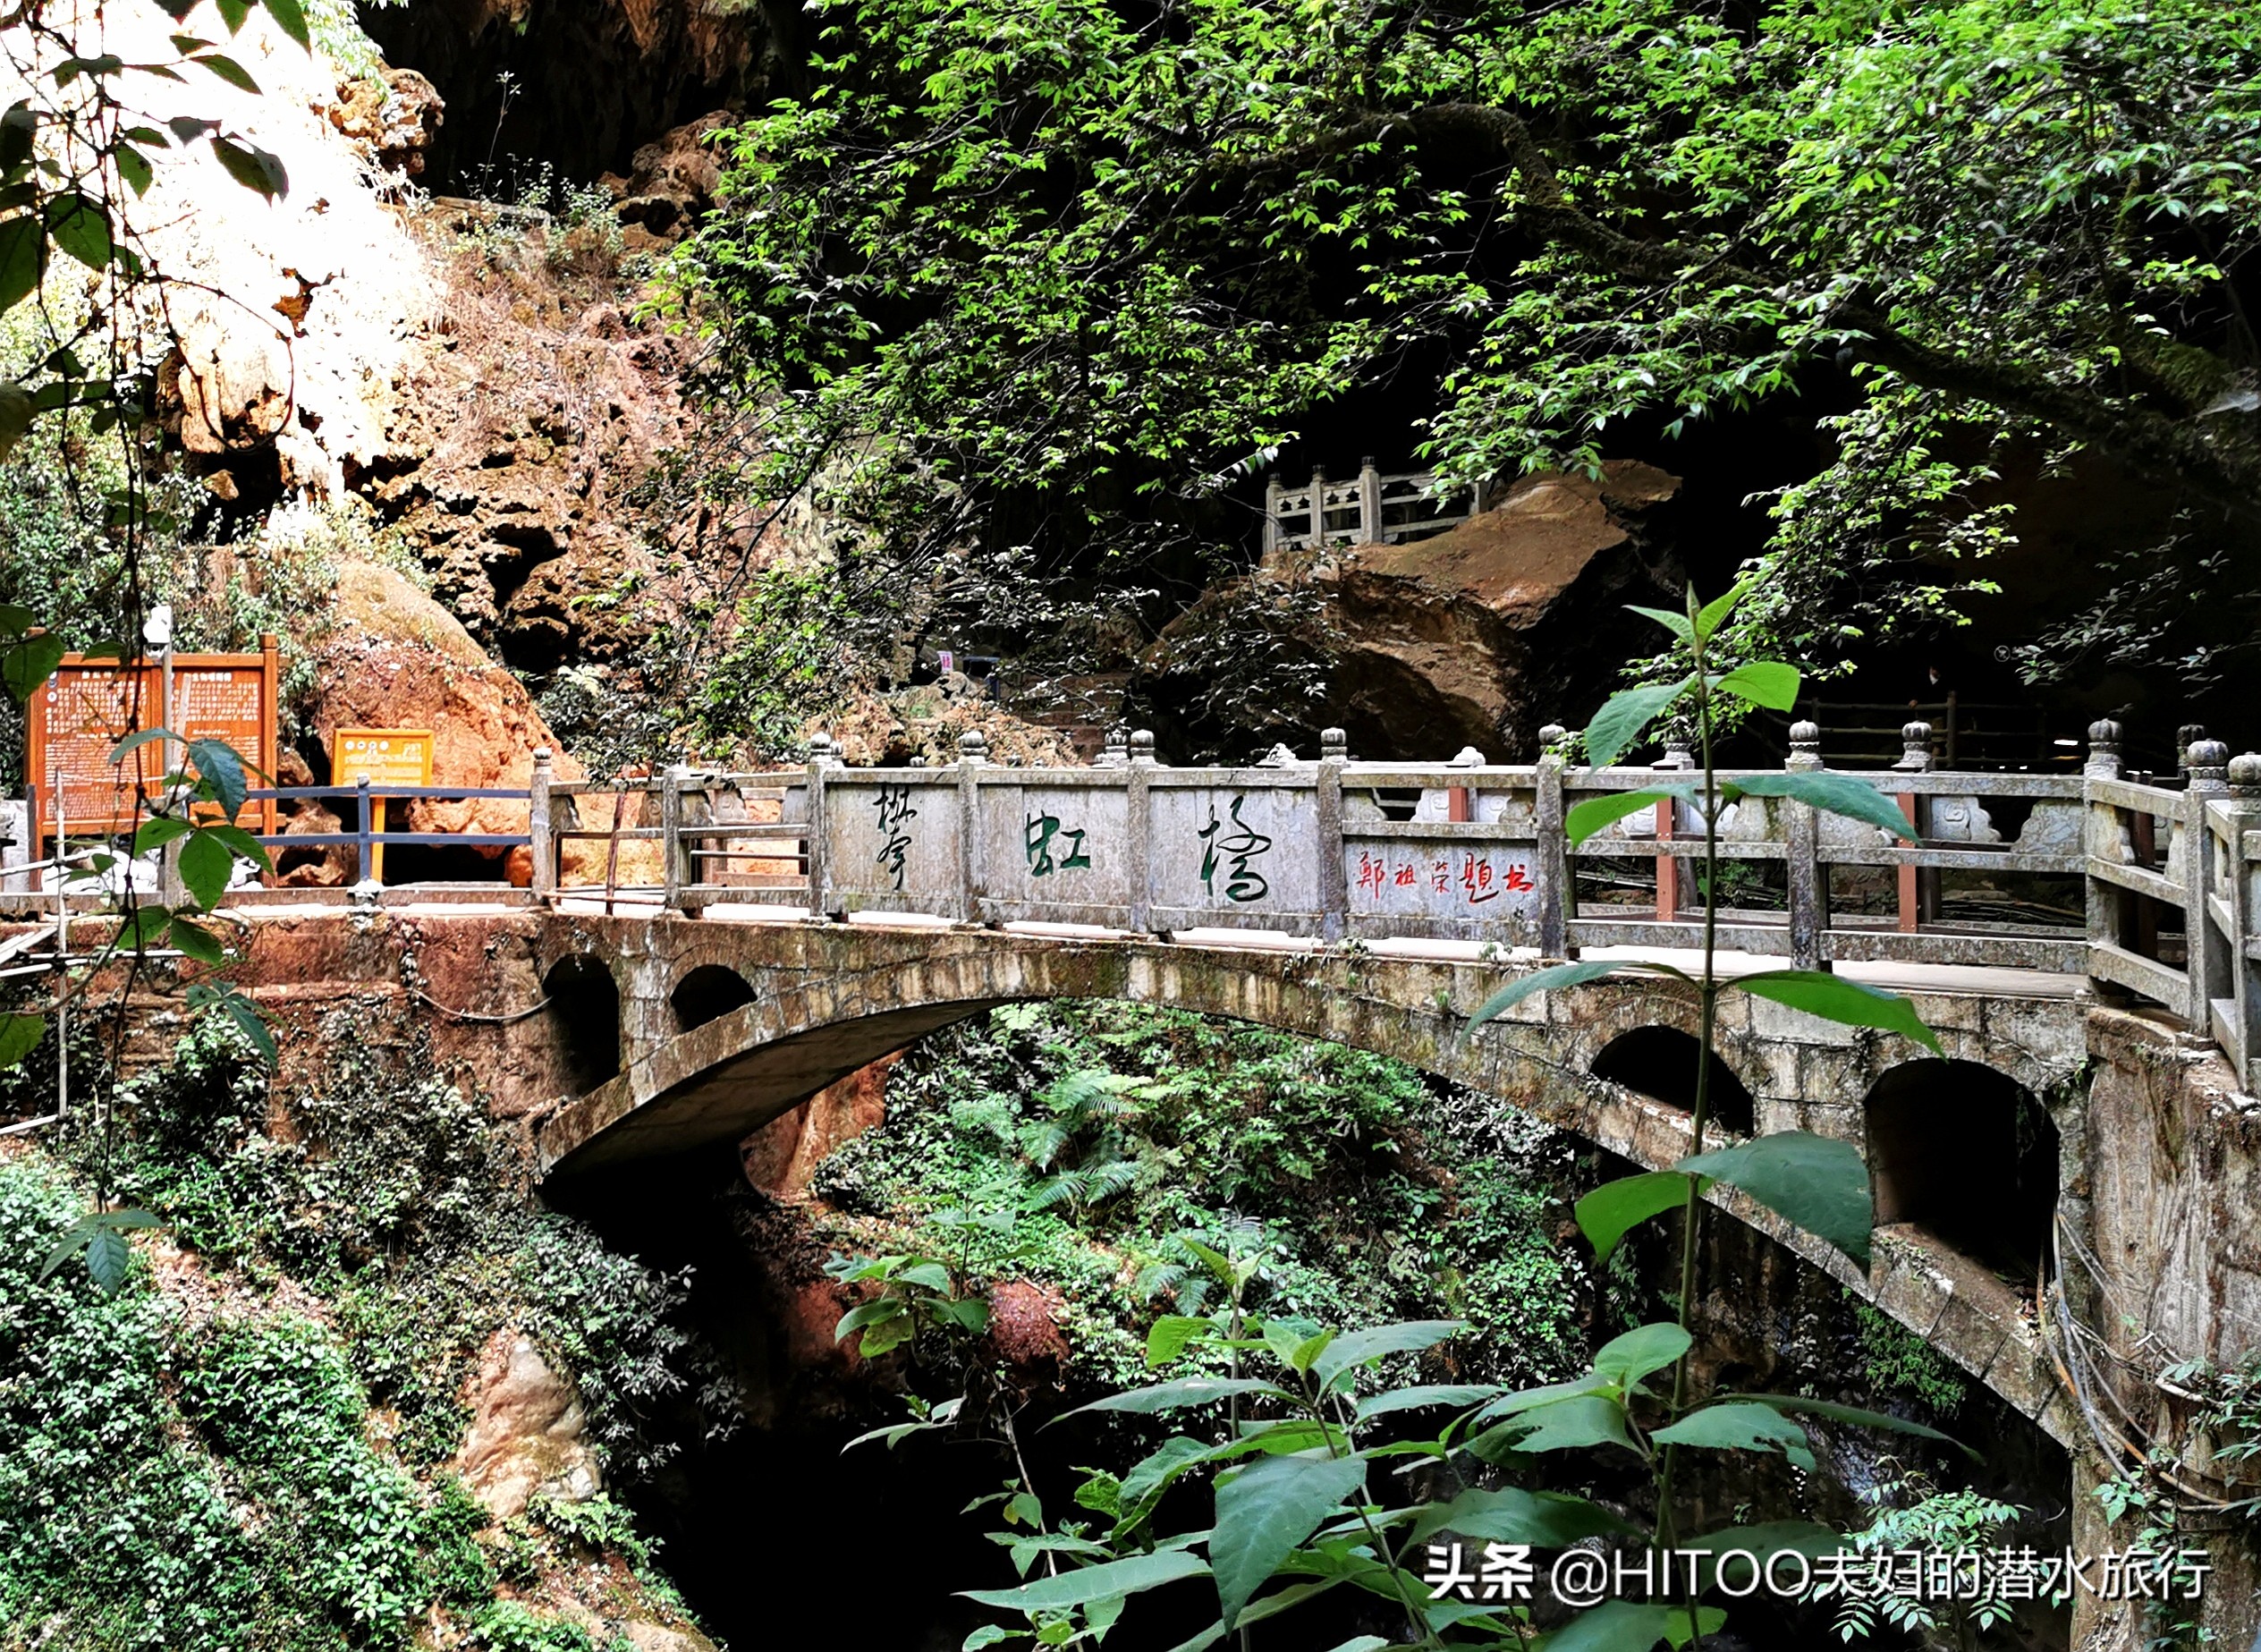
[1234, 846]
[1051, 847]
[1475, 884]
[895, 814]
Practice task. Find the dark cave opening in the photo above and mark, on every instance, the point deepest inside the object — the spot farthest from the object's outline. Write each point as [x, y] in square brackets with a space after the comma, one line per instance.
[1660, 1063]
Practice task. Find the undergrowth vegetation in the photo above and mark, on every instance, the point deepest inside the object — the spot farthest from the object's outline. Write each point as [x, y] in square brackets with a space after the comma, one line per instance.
[1094, 1137]
[250, 1445]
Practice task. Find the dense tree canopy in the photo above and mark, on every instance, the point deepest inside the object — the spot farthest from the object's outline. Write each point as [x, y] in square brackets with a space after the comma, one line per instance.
[1053, 275]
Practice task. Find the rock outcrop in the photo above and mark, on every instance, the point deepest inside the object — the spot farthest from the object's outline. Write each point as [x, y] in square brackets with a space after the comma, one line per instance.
[527, 1434]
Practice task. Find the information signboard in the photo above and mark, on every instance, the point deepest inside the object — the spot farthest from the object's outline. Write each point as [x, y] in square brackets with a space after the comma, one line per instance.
[384, 757]
[76, 720]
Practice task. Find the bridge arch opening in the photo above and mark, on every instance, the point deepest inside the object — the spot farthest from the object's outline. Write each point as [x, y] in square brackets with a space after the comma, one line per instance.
[1970, 1156]
[708, 993]
[1660, 1063]
[584, 1005]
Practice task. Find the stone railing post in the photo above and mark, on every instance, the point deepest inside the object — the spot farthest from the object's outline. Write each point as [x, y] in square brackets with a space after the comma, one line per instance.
[1271, 492]
[2206, 949]
[1116, 753]
[1318, 511]
[542, 842]
[1140, 821]
[823, 757]
[1369, 502]
[1918, 899]
[674, 856]
[1335, 888]
[973, 751]
[1556, 901]
[2101, 840]
[1801, 839]
[2244, 899]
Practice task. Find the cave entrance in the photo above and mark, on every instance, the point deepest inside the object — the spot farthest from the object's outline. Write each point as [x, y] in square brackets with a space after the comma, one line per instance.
[584, 1007]
[1967, 1155]
[711, 991]
[1660, 1063]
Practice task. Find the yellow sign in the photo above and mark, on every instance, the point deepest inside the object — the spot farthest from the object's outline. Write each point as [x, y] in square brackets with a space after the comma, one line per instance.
[384, 757]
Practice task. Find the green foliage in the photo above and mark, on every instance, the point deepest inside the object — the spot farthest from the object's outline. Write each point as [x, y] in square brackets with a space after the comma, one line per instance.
[1910, 1513]
[1893, 1359]
[784, 660]
[1056, 279]
[507, 1626]
[1382, 1194]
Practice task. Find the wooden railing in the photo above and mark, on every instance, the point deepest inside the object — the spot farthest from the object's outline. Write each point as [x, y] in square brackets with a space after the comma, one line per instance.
[2147, 890]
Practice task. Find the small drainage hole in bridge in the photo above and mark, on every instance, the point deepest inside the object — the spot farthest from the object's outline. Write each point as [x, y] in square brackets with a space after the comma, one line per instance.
[1966, 1153]
[711, 991]
[1660, 1063]
[584, 1006]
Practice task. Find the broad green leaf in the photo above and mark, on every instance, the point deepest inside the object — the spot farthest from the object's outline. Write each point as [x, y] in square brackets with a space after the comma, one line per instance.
[107, 1257]
[1835, 998]
[1641, 1351]
[933, 1275]
[144, 926]
[1152, 1474]
[28, 664]
[22, 243]
[1538, 981]
[233, 13]
[863, 1315]
[194, 941]
[1088, 1583]
[1732, 1425]
[220, 767]
[14, 618]
[1170, 1335]
[158, 831]
[1709, 1620]
[241, 844]
[1542, 1519]
[1813, 1182]
[1595, 813]
[1762, 683]
[206, 866]
[1265, 1512]
[1354, 1349]
[1852, 1414]
[292, 20]
[1678, 625]
[1621, 720]
[204, 997]
[233, 73]
[134, 741]
[1177, 1396]
[1575, 1424]
[1613, 1626]
[249, 165]
[1714, 612]
[19, 1035]
[1530, 1399]
[970, 1314]
[16, 411]
[1425, 1394]
[80, 227]
[1306, 1353]
[1614, 1209]
[1840, 795]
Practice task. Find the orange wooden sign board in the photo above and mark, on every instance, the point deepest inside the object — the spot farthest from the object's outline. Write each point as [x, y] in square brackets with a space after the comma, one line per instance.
[384, 757]
[80, 714]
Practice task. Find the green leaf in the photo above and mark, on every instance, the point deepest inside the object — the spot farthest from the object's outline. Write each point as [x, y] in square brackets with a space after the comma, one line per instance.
[242, 845]
[1421, 1395]
[233, 73]
[1618, 723]
[107, 1257]
[1595, 813]
[16, 411]
[1152, 1474]
[292, 20]
[205, 997]
[133, 166]
[1716, 612]
[1575, 1424]
[1730, 1425]
[26, 665]
[158, 831]
[1171, 1334]
[194, 941]
[1840, 795]
[1544, 1519]
[220, 767]
[1762, 683]
[1676, 624]
[1613, 1626]
[233, 13]
[1813, 1182]
[1354, 1349]
[249, 165]
[1835, 998]
[1854, 1415]
[1363, 1643]
[1614, 1209]
[206, 866]
[19, 1035]
[80, 227]
[1084, 1584]
[1177, 1396]
[1538, 981]
[21, 244]
[15, 619]
[1640, 1352]
[1265, 1512]
[933, 1275]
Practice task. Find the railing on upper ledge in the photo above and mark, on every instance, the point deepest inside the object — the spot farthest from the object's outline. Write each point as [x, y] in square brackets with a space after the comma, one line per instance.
[2145, 889]
[1369, 509]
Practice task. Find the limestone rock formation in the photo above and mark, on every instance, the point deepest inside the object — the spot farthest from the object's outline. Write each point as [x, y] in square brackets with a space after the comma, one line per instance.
[673, 179]
[526, 1433]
